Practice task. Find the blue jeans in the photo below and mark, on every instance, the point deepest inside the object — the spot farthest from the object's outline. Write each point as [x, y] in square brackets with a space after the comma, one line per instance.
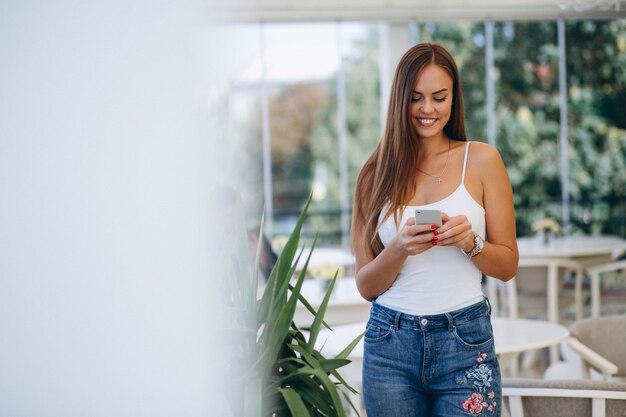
[441, 365]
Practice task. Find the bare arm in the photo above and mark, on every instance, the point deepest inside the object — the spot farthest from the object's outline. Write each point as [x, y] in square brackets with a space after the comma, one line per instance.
[499, 257]
[375, 275]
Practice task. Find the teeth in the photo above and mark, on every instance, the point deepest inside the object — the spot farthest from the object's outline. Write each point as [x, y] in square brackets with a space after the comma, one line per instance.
[427, 122]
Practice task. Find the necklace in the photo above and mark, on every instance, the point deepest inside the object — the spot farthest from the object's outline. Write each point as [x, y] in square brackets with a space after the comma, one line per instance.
[440, 176]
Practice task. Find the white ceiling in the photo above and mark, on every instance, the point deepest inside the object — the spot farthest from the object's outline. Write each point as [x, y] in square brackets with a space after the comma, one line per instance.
[417, 10]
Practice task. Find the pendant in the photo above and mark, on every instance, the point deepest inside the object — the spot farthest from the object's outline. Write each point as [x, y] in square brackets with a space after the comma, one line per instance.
[439, 180]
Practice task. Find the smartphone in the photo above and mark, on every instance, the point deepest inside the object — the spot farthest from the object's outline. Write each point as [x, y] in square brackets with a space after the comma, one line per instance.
[428, 217]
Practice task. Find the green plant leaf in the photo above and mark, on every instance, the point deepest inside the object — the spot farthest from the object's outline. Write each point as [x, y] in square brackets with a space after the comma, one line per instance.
[280, 313]
[278, 332]
[294, 402]
[343, 382]
[318, 398]
[279, 301]
[309, 307]
[306, 355]
[344, 353]
[317, 322]
[312, 395]
[281, 273]
[296, 379]
[329, 365]
[349, 401]
[328, 385]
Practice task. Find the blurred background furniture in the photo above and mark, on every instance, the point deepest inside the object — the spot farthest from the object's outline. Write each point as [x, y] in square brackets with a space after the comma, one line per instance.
[542, 275]
[597, 272]
[596, 348]
[560, 255]
[542, 280]
[502, 297]
[328, 260]
[345, 305]
[563, 398]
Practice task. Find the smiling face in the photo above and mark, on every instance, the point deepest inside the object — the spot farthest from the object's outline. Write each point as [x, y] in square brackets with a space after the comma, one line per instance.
[431, 102]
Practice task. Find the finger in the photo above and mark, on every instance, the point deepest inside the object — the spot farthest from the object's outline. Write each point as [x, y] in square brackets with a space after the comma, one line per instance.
[460, 230]
[444, 217]
[454, 224]
[449, 222]
[419, 229]
[451, 241]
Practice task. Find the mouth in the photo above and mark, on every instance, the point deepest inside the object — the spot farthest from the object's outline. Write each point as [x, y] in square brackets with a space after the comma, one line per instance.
[426, 121]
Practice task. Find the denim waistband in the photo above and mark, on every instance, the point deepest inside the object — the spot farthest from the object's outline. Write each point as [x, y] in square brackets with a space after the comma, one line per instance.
[399, 319]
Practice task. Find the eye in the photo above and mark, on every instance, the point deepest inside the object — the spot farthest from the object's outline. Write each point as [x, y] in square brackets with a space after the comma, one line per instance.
[415, 98]
[440, 100]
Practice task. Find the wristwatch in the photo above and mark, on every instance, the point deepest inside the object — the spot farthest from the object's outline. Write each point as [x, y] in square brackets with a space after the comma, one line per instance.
[478, 246]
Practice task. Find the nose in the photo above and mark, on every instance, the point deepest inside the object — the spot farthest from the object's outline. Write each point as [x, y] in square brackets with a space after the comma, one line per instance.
[427, 107]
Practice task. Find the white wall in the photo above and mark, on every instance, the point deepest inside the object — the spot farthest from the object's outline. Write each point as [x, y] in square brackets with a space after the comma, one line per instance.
[108, 303]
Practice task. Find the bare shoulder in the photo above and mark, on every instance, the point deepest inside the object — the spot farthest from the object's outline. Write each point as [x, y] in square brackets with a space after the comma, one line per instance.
[488, 164]
[484, 154]
[486, 160]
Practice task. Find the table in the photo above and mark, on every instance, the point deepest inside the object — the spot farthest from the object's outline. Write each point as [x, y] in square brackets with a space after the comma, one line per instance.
[572, 252]
[583, 248]
[345, 305]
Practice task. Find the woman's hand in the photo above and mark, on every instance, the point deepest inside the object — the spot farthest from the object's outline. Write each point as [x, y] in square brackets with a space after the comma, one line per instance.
[414, 238]
[456, 231]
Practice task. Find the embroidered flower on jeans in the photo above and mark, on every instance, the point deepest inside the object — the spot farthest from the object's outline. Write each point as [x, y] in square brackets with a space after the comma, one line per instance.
[461, 380]
[474, 404]
[481, 376]
[491, 395]
[481, 357]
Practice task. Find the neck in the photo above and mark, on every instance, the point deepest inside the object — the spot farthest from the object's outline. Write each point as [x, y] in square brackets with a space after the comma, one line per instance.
[434, 146]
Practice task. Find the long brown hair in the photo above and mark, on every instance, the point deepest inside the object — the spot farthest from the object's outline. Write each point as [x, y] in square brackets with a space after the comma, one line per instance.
[388, 176]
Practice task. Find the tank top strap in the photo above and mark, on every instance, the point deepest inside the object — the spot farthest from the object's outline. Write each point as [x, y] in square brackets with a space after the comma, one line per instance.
[465, 162]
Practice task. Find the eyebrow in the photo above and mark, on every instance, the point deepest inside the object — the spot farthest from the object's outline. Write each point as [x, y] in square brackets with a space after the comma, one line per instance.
[436, 92]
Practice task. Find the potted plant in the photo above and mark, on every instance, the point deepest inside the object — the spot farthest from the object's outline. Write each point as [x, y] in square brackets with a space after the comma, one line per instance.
[287, 375]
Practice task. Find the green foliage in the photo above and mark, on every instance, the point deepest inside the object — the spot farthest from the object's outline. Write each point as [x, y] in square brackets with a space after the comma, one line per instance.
[286, 375]
[527, 120]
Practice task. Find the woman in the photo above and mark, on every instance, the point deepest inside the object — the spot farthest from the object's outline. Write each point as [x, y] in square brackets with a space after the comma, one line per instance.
[429, 343]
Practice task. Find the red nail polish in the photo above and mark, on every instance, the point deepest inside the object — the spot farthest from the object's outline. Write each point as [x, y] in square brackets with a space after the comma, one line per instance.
[433, 227]
[436, 232]
[434, 243]
[435, 239]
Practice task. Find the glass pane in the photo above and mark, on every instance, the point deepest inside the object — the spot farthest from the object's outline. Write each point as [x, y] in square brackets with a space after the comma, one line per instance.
[243, 112]
[527, 117]
[298, 52]
[305, 128]
[361, 58]
[246, 150]
[299, 116]
[596, 67]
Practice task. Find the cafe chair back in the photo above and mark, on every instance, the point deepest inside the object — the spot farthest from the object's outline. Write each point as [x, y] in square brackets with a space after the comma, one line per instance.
[563, 398]
[601, 344]
[596, 273]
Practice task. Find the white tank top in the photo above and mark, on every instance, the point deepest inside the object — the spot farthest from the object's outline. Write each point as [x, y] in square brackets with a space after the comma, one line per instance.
[441, 279]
